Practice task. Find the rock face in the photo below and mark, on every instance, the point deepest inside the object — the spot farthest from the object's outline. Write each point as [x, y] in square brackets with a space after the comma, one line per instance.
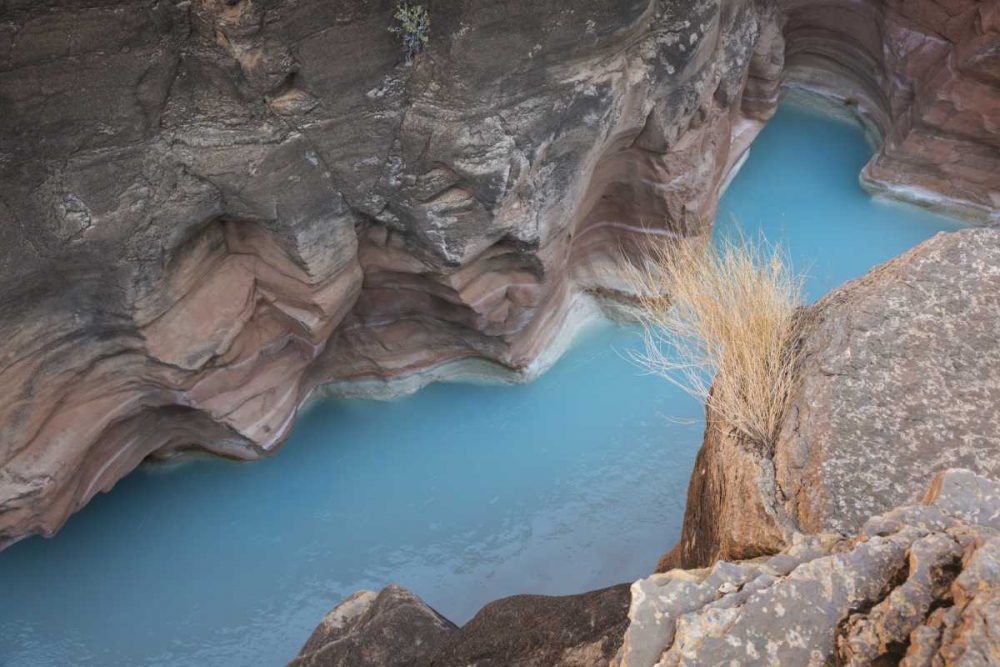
[391, 628]
[211, 208]
[918, 586]
[897, 381]
[925, 76]
[394, 629]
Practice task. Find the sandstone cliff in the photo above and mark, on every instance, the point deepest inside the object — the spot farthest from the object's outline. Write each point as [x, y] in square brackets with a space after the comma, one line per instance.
[925, 76]
[210, 208]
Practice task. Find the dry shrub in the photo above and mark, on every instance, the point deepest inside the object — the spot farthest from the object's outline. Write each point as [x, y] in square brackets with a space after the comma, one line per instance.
[719, 324]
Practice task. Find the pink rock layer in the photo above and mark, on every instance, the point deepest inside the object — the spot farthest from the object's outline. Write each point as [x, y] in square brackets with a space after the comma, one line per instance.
[259, 201]
[925, 76]
[211, 209]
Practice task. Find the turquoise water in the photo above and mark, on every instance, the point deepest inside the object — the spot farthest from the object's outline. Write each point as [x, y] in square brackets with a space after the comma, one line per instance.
[800, 188]
[461, 493]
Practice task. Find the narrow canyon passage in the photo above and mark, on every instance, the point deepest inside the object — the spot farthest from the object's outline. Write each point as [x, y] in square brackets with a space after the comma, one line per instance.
[461, 493]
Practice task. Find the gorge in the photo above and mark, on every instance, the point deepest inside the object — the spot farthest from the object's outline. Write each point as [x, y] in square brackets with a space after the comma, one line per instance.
[489, 502]
[244, 207]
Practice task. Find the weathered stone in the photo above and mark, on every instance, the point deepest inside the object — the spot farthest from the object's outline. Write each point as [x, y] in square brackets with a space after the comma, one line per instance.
[211, 208]
[391, 628]
[395, 629]
[897, 381]
[541, 631]
[727, 515]
[921, 590]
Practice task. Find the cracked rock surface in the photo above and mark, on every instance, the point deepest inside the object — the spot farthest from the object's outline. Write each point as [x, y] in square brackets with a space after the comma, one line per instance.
[918, 586]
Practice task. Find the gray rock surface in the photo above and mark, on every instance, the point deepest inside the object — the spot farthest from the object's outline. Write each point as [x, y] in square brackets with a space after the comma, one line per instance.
[897, 381]
[210, 208]
[919, 585]
[900, 379]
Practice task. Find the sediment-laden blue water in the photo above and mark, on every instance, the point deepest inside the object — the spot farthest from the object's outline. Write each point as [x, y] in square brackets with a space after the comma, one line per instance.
[462, 493]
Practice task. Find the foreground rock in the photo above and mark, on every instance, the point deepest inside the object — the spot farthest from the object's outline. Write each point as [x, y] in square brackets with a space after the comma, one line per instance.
[925, 76]
[391, 628]
[395, 629]
[897, 381]
[920, 584]
[210, 208]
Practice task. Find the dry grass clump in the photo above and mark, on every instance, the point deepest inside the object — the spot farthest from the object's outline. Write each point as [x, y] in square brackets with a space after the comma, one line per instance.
[722, 312]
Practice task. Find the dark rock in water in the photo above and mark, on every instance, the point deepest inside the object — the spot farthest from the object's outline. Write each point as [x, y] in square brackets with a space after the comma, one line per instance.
[897, 381]
[395, 629]
[541, 631]
[919, 584]
[391, 628]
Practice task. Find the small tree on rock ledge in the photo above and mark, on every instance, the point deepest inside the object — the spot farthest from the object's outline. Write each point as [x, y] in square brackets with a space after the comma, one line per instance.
[414, 28]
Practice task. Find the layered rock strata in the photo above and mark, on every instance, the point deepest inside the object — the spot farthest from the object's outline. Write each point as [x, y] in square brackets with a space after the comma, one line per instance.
[918, 586]
[925, 77]
[896, 381]
[210, 208]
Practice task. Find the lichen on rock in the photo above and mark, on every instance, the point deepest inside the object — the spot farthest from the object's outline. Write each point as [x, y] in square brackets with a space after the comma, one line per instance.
[895, 382]
[918, 584]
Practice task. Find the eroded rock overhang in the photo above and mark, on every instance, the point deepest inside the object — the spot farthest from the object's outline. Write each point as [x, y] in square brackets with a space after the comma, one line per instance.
[212, 208]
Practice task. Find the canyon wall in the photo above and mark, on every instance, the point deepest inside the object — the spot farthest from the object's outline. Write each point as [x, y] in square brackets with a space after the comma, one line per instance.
[210, 208]
[924, 75]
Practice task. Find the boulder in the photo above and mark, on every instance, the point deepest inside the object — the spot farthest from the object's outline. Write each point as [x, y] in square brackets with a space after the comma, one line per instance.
[541, 631]
[918, 586]
[393, 628]
[896, 381]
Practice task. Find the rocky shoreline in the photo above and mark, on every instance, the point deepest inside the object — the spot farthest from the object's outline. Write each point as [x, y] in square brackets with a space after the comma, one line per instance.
[916, 586]
[896, 387]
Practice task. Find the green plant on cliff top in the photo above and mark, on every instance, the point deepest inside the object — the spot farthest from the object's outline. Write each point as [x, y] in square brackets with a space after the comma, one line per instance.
[719, 323]
[414, 28]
